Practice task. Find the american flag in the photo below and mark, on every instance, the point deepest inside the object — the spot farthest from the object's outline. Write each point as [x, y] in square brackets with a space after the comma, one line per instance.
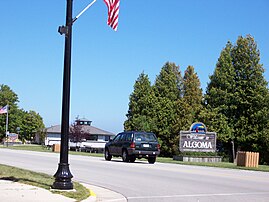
[113, 13]
[3, 110]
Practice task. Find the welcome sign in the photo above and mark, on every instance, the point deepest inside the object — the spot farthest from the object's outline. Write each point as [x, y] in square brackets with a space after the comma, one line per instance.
[197, 139]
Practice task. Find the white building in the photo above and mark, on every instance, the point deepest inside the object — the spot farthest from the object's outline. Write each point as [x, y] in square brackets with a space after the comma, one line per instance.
[82, 136]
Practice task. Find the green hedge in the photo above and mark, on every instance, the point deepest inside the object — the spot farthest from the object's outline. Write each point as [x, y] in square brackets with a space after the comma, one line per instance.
[198, 154]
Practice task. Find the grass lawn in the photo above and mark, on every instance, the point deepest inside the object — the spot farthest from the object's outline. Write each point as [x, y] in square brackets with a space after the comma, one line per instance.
[264, 168]
[41, 180]
[40, 148]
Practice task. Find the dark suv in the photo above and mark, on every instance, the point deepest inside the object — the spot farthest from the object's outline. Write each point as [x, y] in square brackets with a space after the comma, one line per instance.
[131, 145]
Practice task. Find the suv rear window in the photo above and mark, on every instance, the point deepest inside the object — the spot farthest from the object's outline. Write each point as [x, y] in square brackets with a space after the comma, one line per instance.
[145, 137]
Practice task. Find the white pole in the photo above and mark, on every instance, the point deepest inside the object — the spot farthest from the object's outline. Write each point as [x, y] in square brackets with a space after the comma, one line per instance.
[87, 7]
[7, 126]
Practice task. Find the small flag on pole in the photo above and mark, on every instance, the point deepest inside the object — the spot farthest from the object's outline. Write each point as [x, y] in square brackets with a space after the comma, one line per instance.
[3, 110]
[113, 13]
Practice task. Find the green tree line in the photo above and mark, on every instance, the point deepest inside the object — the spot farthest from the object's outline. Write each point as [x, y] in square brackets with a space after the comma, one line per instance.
[235, 103]
[26, 123]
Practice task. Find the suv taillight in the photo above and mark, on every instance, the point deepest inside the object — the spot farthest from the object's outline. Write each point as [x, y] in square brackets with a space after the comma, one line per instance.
[158, 146]
[132, 145]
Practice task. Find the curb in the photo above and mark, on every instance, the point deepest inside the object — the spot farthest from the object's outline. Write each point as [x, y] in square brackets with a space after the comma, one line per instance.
[103, 194]
[92, 196]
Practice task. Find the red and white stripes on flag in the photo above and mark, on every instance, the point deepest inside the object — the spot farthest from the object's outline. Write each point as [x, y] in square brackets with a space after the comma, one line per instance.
[113, 13]
[4, 109]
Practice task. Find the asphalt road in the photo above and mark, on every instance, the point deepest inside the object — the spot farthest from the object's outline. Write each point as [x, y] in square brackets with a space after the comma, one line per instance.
[141, 181]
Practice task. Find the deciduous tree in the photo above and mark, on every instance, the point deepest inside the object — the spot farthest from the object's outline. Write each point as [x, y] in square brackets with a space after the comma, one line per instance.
[29, 122]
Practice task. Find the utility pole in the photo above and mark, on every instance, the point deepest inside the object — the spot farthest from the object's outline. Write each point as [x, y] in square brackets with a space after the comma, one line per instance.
[63, 175]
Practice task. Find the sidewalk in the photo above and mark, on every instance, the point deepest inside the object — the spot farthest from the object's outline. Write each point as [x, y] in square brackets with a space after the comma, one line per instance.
[14, 191]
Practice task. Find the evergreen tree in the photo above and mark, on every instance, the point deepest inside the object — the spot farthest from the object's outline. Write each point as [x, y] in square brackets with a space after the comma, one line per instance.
[141, 106]
[251, 95]
[169, 82]
[238, 90]
[190, 105]
[220, 90]
[192, 93]
[168, 90]
[219, 98]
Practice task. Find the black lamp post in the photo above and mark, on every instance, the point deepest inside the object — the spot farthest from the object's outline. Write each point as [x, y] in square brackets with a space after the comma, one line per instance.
[63, 175]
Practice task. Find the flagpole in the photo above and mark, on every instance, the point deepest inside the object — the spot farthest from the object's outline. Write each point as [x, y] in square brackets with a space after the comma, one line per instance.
[7, 126]
[87, 7]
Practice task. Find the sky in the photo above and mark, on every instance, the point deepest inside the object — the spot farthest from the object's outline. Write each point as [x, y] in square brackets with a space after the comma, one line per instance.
[105, 63]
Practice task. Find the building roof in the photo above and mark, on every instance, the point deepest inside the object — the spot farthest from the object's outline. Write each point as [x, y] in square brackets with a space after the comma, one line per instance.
[95, 131]
[54, 129]
[86, 128]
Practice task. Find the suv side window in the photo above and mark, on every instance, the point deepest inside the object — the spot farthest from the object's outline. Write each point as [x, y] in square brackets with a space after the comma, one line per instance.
[129, 137]
[117, 138]
[123, 137]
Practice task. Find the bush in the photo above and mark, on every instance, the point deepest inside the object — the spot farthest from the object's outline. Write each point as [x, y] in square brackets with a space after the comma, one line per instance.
[198, 154]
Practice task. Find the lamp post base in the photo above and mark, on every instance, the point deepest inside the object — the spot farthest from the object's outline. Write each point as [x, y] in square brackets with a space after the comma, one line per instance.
[63, 178]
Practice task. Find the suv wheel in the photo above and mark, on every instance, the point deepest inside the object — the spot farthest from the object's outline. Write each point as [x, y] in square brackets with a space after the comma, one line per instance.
[125, 156]
[108, 156]
[152, 159]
